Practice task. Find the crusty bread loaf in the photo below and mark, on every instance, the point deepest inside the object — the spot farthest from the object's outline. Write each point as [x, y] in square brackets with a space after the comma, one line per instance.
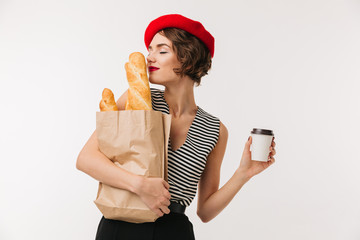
[139, 95]
[107, 102]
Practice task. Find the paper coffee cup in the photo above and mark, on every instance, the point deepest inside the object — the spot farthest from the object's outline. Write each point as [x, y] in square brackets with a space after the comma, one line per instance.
[261, 142]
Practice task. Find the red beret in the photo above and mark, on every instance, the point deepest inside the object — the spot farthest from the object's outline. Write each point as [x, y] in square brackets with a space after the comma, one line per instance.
[184, 23]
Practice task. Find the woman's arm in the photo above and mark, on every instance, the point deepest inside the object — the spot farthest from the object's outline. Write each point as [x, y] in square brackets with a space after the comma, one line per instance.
[211, 200]
[94, 163]
[153, 191]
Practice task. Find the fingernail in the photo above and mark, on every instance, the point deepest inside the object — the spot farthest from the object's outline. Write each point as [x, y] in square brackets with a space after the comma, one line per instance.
[248, 138]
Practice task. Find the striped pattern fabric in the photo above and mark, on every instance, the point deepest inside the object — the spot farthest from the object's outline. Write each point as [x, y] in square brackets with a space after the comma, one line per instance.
[186, 164]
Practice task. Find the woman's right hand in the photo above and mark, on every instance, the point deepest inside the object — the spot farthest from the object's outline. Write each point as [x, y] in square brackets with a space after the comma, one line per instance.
[154, 192]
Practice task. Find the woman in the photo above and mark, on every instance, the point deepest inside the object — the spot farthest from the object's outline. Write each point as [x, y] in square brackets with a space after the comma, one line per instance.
[180, 53]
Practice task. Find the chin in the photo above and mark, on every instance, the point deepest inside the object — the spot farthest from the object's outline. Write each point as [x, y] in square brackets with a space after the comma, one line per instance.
[155, 81]
[151, 80]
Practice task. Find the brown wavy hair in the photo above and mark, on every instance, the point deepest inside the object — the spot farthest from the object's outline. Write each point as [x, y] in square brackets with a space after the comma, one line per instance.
[194, 56]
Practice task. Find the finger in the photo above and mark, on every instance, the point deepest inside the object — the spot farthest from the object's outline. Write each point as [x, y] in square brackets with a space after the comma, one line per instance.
[166, 184]
[167, 195]
[165, 209]
[273, 152]
[248, 143]
[273, 144]
[271, 148]
[158, 212]
[271, 160]
[166, 202]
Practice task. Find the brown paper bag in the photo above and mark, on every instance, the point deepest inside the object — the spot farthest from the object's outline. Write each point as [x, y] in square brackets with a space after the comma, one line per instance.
[136, 140]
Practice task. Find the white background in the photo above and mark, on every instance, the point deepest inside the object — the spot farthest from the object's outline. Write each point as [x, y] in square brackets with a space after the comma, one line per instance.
[290, 66]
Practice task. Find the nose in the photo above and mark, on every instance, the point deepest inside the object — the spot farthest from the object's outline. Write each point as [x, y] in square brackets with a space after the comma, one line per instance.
[150, 58]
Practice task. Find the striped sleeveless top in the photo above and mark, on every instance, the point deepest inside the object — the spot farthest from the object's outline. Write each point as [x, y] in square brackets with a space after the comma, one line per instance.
[186, 164]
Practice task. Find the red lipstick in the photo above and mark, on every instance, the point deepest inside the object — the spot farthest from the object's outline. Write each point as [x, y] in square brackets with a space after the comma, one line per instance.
[151, 69]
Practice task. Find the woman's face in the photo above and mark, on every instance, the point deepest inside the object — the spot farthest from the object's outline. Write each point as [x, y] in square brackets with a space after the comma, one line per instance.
[162, 60]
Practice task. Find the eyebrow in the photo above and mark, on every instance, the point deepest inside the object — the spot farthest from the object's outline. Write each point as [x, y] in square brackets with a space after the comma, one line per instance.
[160, 45]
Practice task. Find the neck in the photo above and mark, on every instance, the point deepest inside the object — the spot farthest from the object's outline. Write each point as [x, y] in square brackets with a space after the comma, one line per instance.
[180, 99]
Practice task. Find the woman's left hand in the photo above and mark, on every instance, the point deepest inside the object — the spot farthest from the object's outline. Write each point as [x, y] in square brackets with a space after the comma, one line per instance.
[250, 167]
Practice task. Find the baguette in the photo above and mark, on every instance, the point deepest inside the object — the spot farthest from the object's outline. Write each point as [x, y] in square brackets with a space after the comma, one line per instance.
[139, 95]
[107, 102]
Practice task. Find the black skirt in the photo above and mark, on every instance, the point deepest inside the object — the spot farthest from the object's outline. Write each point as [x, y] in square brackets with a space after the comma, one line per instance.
[174, 226]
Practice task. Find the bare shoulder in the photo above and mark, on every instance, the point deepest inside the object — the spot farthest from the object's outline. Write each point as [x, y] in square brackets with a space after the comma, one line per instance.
[120, 103]
[218, 152]
[223, 132]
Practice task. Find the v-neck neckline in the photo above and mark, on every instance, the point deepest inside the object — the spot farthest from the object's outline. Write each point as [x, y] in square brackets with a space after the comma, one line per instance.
[187, 134]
